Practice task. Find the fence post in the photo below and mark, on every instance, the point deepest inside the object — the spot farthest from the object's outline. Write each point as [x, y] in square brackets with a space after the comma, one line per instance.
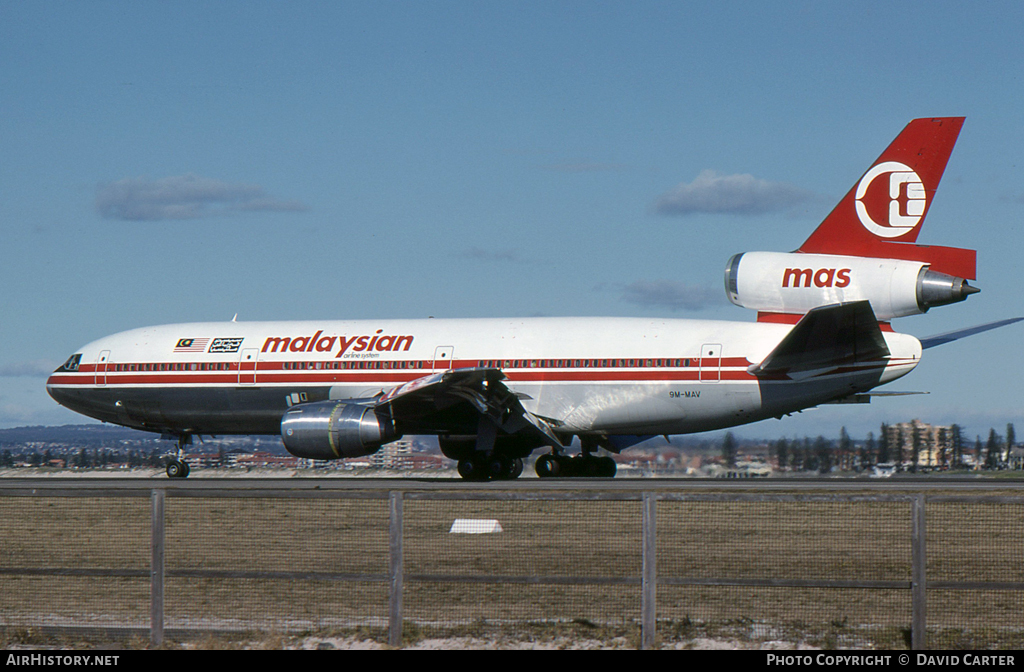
[649, 577]
[918, 580]
[395, 568]
[156, 568]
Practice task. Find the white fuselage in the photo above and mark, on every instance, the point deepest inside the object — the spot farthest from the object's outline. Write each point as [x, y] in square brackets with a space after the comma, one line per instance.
[593, 375]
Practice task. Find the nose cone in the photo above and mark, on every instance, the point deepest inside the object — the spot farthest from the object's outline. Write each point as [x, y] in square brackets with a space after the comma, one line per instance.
[64, 385]
[58, 394]
[59, 391]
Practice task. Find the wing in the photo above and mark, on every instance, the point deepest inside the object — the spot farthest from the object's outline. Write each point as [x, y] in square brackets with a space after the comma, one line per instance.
[475, 399]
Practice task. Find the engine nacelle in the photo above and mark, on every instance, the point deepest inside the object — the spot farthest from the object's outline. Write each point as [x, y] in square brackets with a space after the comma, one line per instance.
[329, 430]
[795, 283]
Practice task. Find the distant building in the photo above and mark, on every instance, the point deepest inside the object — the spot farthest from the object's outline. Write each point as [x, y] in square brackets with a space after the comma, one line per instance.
[916, 442]
[264, 459]
[394, 455]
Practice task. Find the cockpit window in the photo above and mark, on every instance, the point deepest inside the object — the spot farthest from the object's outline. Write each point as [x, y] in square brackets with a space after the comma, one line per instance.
[71, 364]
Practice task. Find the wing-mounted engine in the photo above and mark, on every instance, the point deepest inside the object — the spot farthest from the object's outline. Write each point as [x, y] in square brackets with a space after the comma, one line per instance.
[329, 430]
[477, 400]
[795, 283]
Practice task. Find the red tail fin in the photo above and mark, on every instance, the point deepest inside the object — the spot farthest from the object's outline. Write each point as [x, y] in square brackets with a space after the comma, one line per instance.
[882, 214]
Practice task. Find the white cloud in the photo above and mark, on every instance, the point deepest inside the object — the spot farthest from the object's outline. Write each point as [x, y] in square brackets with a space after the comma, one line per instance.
[38, 368]
[183, 197]
[744, 194]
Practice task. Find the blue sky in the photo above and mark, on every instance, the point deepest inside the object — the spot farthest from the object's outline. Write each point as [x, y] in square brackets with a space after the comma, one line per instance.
[168, 162]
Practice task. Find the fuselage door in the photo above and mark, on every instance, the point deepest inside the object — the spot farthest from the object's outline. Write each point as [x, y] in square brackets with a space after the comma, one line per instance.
[101, 368]
[710, 363]
[247, 366]
[443, 355]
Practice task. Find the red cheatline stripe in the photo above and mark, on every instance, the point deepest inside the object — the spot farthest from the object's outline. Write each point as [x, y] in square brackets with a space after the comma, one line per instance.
[426, 365]
[339, 377]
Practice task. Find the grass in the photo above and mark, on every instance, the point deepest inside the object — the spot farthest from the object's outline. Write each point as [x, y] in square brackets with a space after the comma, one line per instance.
[696, 540]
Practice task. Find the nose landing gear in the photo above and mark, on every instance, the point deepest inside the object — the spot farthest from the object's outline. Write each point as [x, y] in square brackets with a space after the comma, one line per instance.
[178, 467]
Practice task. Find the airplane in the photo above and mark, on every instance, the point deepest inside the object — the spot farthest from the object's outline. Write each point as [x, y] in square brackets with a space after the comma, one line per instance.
[493, 391]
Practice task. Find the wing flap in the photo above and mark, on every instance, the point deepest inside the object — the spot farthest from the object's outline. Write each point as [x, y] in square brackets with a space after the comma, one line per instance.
[482, 389]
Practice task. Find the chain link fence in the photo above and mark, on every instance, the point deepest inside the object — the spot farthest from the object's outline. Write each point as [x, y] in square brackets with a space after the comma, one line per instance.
[651, 562]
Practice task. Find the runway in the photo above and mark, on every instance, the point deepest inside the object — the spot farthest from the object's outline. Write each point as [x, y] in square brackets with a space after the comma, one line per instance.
[210, 484]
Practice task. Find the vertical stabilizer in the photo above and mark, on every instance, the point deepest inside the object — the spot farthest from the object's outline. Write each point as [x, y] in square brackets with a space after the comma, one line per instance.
[882, 214]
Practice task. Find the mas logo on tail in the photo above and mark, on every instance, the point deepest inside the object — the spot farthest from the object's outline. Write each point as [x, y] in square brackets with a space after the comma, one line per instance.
[901, 205]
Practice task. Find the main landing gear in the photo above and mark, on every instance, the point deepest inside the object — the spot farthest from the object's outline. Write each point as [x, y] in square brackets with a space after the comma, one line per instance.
[178, 467]
[494, 467]
[584, 465]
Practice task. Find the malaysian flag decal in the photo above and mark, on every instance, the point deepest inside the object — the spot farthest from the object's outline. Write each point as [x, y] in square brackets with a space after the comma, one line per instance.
[191, 345]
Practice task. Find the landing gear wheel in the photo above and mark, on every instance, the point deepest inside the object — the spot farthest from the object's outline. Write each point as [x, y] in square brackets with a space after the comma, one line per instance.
[510, 468]
[606, 467]
[499, 467]
[177, 469]
[547, 466]
[473, 469]
[517, 469]
[567, 466]
[585, 466]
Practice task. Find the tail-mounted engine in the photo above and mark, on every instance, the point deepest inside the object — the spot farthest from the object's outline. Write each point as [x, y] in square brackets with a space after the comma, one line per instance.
[329, 430]
[794, 283]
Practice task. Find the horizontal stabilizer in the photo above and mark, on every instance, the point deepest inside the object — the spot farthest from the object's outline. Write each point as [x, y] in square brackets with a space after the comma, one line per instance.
[866, 397]
[939, 339]
[828, 337]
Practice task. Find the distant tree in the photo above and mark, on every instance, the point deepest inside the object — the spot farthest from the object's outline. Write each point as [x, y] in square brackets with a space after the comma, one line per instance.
[883, 444]
[869, 451]
[1011, 438]
[956, 441]
[782, 452]
[729, 450]
[807, 461]
[823, 455]
[992, 450]
[845, 449]
[977, 452]
[915, 447]
[6, 459]
[796, 456]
